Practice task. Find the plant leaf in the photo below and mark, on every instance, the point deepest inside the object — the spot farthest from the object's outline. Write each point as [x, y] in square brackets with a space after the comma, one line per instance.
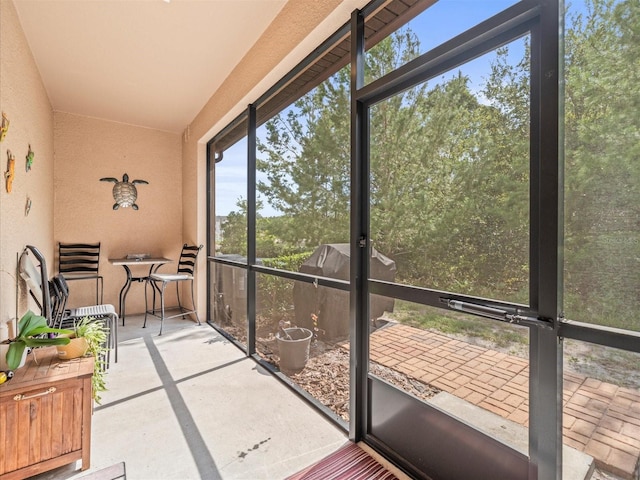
[14, 354]
[43, 342]
[29, 322]
[45, 329]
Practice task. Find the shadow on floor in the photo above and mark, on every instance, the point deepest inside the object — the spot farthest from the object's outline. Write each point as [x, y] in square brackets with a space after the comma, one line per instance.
[189, 404]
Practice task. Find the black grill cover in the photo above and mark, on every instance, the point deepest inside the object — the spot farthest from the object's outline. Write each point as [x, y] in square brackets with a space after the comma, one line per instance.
[331, 305]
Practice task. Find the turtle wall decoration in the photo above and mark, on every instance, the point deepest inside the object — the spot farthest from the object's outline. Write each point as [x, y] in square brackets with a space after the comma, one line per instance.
[124, 192]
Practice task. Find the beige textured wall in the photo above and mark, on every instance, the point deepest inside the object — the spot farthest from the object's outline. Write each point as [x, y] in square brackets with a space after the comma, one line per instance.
[87, 149]
[25, 101]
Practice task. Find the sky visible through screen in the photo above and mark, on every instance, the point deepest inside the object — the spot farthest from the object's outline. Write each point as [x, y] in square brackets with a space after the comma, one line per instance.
[439, 23]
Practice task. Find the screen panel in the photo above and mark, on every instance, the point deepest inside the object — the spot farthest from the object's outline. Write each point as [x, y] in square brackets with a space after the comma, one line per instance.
[450, 178]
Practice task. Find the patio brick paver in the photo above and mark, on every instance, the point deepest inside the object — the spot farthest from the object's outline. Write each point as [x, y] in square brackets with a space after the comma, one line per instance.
[600, 419]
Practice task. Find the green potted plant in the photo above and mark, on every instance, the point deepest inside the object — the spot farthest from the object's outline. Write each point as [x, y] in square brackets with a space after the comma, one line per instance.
[91, 338]
[31, 329]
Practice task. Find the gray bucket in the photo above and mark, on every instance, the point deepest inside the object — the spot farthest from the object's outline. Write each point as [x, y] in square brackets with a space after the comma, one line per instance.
[294, 353]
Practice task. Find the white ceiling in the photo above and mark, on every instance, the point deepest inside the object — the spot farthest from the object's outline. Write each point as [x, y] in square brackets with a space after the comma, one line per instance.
[143, 62]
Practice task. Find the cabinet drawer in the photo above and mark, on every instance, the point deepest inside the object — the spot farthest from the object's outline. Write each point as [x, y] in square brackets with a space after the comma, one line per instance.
[40, 423]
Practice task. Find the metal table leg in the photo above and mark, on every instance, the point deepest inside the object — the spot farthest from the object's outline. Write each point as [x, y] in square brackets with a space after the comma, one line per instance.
[127, 285]
[124, 291]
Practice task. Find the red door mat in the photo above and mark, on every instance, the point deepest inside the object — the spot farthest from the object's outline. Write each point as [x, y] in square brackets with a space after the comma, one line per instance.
[348, 463]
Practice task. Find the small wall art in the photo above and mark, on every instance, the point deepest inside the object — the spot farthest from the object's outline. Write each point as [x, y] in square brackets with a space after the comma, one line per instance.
[29, 157]
[11, 170]
[4, 126]
[124, 192]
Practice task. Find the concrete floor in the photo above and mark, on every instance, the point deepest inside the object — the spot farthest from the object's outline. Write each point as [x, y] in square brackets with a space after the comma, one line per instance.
[189, 405]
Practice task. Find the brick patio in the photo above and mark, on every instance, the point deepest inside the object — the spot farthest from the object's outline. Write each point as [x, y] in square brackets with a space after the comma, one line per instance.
[600, 419]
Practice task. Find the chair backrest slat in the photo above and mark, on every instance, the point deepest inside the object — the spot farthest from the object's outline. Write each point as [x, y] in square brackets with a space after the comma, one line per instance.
[188, 257]
[79, 257]
[59, 296]
[61, 290]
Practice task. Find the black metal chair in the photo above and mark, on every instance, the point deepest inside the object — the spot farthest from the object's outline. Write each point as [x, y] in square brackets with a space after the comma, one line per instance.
[36, 279]
[159, 282]
[51, 297]
[81, 261]
[58, 302]
[67, 318]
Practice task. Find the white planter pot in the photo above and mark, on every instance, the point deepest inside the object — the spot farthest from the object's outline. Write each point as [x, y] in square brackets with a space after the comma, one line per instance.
[4, 348]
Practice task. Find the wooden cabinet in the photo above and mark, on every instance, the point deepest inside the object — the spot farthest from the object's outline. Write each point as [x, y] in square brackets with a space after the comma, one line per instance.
[45, 415]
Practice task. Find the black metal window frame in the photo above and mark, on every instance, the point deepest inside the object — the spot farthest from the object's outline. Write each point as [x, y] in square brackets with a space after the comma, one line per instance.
[542, 20]
[527, 17]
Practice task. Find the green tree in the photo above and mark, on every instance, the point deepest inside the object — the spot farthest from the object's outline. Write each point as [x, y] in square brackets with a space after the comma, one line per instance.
[450, 169]
[234, 231]
[306, 162]
[442, 183]
[602, 153]
[268, 234]
[457, 201]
